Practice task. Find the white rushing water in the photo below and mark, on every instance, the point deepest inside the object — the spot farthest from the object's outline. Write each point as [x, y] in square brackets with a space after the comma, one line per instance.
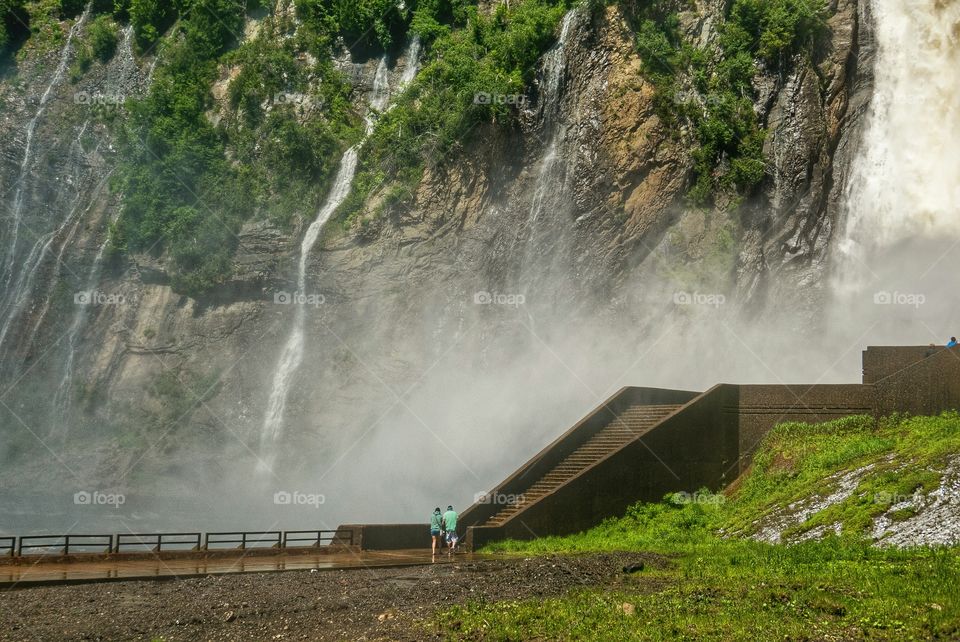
[292, 354]
[550, 186]
[56, 240]
[905, 182]
[12, 296]
[412, 59]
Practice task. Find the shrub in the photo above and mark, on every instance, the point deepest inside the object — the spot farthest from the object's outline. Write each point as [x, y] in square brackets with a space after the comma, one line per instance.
[14, 23]
[103, 37]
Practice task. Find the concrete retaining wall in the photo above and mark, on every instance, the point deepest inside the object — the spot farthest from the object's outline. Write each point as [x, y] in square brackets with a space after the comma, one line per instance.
[918, 381]
[386, 537]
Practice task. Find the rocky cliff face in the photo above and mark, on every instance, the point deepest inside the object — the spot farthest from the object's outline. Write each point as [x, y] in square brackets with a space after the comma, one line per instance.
[530, 270]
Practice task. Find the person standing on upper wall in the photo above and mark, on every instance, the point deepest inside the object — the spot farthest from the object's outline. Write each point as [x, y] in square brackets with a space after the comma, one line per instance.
[952, 342]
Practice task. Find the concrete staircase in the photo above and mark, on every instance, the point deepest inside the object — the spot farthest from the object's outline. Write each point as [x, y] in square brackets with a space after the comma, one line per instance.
[627, 426]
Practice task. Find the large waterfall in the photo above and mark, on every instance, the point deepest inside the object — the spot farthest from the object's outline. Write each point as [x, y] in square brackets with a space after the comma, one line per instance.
[547, 228]
[292, 353]
[16, 282]
[905, 182]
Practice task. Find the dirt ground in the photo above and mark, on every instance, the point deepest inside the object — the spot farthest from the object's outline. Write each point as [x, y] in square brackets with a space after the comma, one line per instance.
[381, 604]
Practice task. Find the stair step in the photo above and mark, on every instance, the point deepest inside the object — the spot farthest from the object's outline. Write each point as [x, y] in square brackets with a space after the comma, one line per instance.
[622, 429]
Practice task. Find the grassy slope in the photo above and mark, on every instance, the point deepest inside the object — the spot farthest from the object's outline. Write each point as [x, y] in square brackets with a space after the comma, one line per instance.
[732, 589]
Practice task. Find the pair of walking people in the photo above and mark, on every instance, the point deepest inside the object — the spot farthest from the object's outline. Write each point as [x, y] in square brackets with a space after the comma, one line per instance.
[444, 524]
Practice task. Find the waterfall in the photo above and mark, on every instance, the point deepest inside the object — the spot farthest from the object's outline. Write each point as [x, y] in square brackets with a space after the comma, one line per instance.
[74, 219]
[123, 68]
[22, 291]
[292, 354]
[550, 186]
[411, 59]
[379, 95]
[62, 399]
[905, 183]
[554, 65]
[13, 296]
[16, 295]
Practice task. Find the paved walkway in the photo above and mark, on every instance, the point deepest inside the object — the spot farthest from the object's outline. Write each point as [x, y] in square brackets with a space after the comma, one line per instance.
[22, 575]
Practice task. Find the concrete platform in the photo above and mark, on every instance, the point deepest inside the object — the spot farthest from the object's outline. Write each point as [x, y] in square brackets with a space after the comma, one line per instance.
[18, 576]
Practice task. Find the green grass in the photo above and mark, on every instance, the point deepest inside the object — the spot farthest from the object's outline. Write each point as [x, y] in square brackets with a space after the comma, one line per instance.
[730, 588]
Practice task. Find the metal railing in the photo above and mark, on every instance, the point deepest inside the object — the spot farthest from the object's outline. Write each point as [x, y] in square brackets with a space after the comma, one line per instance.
[173, 541]
[313, 539]
[62, 543]
[244, 539]
[37, 545]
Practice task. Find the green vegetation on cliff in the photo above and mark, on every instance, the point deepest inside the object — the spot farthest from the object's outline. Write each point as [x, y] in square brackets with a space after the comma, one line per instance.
[725, 587]
[710, 89]
[181, 192]
[194, 172]
[477, 70]
[236, 127]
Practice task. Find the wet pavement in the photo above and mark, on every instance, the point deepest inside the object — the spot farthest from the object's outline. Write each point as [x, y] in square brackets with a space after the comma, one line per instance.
[25, 574]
